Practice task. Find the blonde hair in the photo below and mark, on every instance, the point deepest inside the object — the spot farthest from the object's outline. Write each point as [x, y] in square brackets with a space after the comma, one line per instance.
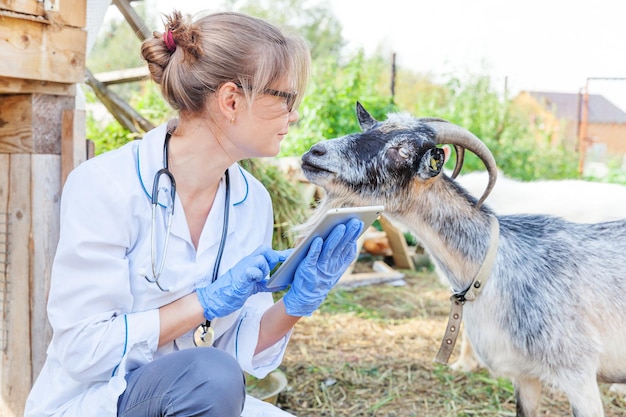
[193, 58]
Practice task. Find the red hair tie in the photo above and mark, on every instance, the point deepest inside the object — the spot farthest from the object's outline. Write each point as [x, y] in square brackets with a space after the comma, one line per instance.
[168, 38]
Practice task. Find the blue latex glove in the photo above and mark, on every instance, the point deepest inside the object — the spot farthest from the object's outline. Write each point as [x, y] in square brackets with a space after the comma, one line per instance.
[230, 291]
[325, 263]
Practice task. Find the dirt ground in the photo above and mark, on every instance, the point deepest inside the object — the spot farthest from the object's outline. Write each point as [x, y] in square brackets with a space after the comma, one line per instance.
[369, 352]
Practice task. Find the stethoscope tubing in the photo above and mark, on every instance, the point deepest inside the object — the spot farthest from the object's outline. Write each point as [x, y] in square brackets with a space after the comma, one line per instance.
[157, 270]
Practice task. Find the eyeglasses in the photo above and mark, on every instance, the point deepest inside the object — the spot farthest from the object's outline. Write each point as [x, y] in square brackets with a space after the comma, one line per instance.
[290, 98]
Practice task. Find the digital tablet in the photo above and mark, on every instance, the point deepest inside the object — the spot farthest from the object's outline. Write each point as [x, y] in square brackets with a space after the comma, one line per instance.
[283, 276]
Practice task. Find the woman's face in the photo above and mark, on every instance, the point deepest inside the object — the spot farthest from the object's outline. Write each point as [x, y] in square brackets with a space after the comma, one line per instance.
[259, 130]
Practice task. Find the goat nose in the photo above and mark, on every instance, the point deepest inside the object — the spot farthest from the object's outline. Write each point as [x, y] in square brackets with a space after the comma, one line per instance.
[318, 149]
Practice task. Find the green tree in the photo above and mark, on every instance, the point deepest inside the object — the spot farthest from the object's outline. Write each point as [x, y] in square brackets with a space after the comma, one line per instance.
[522, 150]
[328, 109]
[315, 22]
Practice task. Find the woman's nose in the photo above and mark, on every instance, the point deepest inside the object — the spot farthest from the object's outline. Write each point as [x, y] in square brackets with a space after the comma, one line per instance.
[294, 116]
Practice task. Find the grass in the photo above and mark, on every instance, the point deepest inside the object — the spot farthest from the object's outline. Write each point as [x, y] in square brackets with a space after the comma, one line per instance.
[369, 352]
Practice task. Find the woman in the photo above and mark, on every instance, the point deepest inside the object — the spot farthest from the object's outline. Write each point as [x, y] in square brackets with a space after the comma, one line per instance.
[164, 243]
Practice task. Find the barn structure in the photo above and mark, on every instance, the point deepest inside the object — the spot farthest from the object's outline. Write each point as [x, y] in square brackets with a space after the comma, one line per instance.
[42, 137]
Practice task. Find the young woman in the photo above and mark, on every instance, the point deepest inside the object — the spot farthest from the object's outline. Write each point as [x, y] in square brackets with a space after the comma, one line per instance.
[157, 298]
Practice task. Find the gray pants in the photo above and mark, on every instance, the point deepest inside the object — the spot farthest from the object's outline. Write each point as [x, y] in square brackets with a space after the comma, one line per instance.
[192, 382]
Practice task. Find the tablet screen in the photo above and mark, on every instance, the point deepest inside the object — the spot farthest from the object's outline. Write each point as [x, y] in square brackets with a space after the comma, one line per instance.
[285, 272]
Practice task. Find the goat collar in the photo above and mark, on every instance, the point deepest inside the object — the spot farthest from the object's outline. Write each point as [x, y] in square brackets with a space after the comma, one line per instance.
[459, 298]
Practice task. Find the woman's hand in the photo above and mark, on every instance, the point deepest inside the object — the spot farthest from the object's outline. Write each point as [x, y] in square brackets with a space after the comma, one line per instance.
[325, 263]
[230, 291]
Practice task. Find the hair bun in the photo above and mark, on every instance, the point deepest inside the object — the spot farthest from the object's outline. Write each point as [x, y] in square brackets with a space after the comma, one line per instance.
[181, 33]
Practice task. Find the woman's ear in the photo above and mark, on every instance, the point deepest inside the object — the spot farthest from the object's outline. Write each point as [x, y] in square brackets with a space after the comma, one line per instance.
[229, 99]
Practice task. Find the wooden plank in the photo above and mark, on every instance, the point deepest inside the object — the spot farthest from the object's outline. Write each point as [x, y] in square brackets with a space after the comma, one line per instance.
[31, 123]
[32, 7]
[10, 85]
[4, 182]
[40, 51]
[401, 256]
[381, 273]
[16, 364]
[16, 124]
[46, 197]
[4, 230]
[73, 141]
[70, 12]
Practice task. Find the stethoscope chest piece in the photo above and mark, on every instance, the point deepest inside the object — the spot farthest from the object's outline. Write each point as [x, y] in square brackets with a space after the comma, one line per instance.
[203, 336]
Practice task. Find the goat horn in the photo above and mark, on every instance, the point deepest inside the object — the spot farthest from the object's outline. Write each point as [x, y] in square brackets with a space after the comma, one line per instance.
[460, 157]
[449, 133]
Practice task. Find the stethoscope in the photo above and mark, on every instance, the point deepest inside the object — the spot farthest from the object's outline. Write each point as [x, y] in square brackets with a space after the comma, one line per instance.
[157, 267]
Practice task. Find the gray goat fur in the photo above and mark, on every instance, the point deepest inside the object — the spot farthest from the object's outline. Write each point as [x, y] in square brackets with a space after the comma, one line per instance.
[553, 311]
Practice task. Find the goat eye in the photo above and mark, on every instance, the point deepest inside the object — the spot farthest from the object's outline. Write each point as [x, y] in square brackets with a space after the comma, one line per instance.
[403, 152]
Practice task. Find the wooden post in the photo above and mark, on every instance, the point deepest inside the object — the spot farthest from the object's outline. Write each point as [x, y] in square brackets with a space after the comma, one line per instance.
[401, 255]
[73, 143]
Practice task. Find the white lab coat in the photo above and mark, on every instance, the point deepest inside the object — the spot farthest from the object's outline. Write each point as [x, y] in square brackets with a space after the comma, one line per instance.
[104, 313]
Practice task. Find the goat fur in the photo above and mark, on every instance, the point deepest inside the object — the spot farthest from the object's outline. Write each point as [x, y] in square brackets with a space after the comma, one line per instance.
[552, 312]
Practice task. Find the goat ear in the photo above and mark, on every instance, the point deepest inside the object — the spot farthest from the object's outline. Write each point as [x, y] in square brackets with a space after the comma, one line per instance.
[431, 163]
[366, 121]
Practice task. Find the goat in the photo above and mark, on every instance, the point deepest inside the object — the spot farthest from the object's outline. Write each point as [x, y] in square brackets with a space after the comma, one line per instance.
[547, 307]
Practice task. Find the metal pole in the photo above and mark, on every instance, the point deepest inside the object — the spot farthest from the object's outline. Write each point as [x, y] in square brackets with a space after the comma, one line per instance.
[583, 138]
[582, 129]
[393, 77]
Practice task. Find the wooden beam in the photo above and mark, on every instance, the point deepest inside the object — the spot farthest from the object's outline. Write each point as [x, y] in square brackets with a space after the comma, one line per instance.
[40, 51]
[128, 117]
[128, 75]
[30, 7]
[20, 86]
[133, 19]
[58, 12]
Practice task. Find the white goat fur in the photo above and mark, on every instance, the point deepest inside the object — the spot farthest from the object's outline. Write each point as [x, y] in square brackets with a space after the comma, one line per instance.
[574, 200]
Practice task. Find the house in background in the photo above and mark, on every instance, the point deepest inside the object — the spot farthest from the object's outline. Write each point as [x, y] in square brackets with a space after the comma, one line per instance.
[603, 126]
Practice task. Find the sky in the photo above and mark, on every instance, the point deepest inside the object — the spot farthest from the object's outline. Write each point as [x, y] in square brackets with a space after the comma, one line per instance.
[547, 45]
